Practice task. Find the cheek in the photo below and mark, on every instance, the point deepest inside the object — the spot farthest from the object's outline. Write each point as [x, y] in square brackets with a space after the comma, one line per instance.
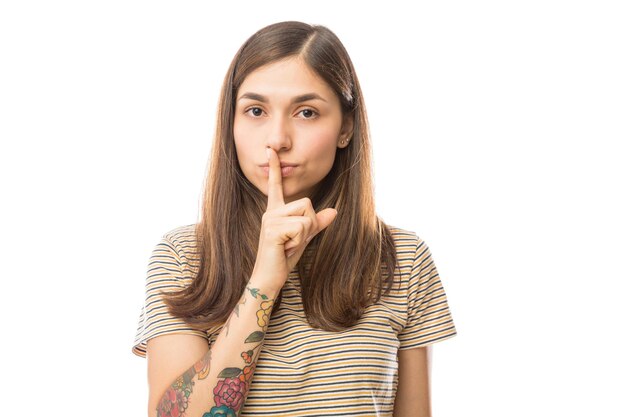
[321, 142]
[240, 138]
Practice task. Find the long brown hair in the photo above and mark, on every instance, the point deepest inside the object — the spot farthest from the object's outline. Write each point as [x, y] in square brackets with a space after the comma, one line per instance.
[344, 263]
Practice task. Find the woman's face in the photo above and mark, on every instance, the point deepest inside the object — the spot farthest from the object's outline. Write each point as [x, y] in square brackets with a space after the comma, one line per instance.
[286, 106]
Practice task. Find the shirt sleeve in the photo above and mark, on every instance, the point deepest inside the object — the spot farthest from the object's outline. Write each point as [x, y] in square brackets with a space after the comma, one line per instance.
[165, 274]
[428, 316]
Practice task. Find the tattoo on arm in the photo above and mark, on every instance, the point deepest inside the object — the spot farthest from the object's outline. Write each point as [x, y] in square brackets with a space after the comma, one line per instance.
[232, 388]
[233, 384]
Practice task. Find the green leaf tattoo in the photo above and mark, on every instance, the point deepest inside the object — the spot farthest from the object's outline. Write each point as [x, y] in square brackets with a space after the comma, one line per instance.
[255, 337]
[255, 291]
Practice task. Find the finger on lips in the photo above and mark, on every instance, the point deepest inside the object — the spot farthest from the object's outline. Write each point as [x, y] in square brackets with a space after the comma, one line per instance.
[275, 197]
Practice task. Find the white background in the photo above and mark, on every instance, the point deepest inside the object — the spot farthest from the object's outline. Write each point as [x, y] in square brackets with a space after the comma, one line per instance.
[504, 119]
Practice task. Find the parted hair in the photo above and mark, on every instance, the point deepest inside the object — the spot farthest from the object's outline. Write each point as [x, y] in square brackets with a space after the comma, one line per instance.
[348, 265]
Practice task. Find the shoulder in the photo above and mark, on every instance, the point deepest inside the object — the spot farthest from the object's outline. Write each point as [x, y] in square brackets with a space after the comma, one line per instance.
[411, 249]
[181, 233]
[406, 241]
[181, 242]
[182, 238]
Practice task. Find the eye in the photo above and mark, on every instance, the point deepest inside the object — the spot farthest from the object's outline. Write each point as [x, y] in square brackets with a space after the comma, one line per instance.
[308, 113]
[256, 111]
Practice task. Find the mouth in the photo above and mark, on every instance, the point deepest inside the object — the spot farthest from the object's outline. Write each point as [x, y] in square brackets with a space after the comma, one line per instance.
[282, 165]
[284, 170]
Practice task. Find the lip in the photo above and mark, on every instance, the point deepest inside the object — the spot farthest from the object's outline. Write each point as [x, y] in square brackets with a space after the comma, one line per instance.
[285, 170]
[282, 165]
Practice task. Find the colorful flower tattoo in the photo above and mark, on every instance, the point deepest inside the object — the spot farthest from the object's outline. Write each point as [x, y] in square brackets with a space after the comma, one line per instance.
[232, 387]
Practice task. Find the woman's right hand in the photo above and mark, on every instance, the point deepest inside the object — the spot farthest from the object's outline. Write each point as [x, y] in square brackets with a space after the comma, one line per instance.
[286, 229]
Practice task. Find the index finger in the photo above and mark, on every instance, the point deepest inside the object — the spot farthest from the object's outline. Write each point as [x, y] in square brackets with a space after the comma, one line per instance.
[275, 197]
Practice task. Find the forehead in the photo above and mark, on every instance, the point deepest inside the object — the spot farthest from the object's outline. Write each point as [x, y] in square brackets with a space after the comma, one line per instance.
[285, 78]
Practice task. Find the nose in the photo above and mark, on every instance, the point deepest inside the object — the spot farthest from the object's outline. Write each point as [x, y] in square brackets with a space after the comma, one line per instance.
[279, 134]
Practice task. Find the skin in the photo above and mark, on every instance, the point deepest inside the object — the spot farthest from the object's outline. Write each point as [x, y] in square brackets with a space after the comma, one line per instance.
[307, 133]
[413, 395]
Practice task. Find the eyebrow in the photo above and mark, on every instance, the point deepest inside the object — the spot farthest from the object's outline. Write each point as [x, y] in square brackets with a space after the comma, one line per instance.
[297, 99]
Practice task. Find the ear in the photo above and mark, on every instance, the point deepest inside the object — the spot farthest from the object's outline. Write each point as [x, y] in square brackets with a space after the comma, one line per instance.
[347, 128]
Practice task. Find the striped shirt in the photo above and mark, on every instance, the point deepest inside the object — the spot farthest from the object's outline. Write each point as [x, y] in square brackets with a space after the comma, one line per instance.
[302, 371]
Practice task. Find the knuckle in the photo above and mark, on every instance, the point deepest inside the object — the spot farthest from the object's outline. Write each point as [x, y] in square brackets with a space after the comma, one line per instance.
[309, 222]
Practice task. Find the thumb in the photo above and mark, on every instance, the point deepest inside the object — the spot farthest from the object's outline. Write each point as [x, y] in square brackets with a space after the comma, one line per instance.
[325, 218]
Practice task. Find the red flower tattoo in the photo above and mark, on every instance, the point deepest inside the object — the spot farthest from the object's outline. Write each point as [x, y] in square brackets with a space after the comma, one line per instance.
[230, 392]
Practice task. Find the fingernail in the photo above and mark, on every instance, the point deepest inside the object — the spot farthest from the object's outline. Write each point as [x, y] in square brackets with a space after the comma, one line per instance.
[308, 239]
[290, 252]
[267, 151]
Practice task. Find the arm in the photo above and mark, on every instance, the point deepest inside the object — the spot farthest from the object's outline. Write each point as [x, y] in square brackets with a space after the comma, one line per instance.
[413, 394]
[217, 377]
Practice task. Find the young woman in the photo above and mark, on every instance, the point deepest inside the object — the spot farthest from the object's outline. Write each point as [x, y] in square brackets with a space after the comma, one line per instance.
[290, 296]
